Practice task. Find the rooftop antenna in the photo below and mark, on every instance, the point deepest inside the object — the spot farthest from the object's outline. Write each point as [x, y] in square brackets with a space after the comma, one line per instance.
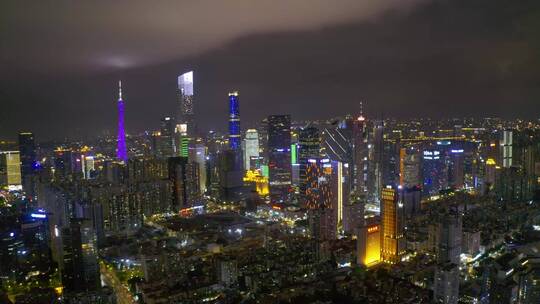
[361, 116]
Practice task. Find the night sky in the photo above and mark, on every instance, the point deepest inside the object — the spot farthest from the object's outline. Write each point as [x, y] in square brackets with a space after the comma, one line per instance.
[60, 60]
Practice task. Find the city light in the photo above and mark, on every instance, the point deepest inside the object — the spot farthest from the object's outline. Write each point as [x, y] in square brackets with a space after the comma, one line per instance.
[154, 190]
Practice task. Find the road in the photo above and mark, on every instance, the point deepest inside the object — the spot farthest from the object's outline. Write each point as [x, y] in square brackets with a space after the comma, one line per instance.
[123, 296]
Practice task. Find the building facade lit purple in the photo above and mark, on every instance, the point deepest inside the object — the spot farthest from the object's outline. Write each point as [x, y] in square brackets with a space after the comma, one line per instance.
[121, 151]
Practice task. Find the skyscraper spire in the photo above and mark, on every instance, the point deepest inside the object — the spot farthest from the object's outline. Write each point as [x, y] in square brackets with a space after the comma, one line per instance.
[121, 151]
[119, 89]
[361, 116]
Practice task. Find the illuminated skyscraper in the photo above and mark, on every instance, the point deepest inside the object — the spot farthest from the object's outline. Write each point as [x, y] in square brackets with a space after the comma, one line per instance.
[197, 154]
[10, 170]
[392, 240]
[185, 115]
[121, 151]
[326, 181]
[318, 185]
[456, 176]
[88, 166]
[368, 243]
[360, 154]
[506, 143]
[251, 148]
[234, 121]
[279, 156]
[434, 172]
[409, 167]
[166, 141]
[27, 149]
[184, 176]
[309, 143]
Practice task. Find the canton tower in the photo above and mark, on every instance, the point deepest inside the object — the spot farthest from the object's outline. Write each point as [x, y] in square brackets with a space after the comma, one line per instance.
[121, 152]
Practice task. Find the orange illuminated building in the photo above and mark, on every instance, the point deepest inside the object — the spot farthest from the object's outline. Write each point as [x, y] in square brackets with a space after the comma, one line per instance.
[369, 244]
[392, 241]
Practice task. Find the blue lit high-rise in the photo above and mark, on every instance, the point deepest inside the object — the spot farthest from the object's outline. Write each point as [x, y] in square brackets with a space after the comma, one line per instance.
[434, 172]
[234, 122]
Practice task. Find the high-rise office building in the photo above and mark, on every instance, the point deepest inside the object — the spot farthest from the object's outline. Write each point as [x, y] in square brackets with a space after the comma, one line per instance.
[27, 150]
[368, 243]
[411, 198]
[263, 144]
[87, 166]
[251, 149]
[322, 225]
[63, 163]
[434, 172]
[230, 174]
[167, 144]
[506, 145]
[10, 170]
[326, 181]
[197, 154]
[446, 284]
[184, 176]
[309, 145]
[392, 223]
[318, 185]
[529, 281]
[337, 144]
[234, 121]
[449, 230]
[353, 208]
[80, 269]
[36, 237]
[185, 116]
[360, 154]
[121, 150]
[380, 152]
[279, 157]
[456, 173]
[446, 235]
[409, 167]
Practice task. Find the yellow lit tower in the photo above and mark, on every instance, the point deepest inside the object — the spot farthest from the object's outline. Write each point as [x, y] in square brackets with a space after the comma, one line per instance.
[368, 243]
[392, 240]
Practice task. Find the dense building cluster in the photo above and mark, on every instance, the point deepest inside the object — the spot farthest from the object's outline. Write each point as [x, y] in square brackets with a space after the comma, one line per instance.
[344, 210]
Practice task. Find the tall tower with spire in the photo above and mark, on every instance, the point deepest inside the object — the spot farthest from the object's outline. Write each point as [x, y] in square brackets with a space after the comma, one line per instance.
[234, 121]
[121, 151]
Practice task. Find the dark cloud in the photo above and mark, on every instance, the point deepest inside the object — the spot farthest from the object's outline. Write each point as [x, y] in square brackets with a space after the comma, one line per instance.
[437, 58]
[96, 35]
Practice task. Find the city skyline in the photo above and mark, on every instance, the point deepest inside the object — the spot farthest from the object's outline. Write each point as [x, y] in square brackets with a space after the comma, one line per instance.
[270, 151]
[421, 58]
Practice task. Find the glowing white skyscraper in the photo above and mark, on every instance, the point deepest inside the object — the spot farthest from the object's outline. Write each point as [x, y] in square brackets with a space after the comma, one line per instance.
[185, 115]
[251, 147]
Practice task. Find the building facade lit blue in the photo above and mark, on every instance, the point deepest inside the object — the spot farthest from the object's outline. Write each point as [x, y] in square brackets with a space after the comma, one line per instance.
[434, 172]
[234, 122]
